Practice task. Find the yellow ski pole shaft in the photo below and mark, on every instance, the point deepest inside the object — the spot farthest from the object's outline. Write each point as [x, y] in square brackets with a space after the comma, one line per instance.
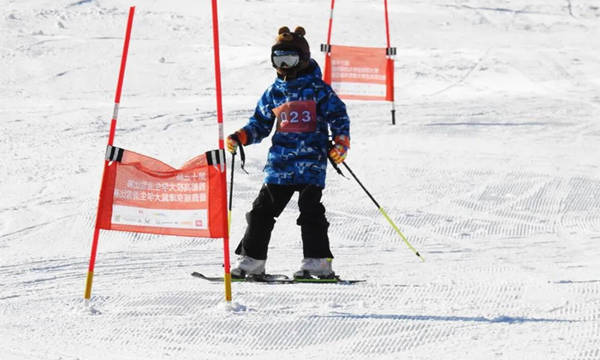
[383, 212]
[400, 233]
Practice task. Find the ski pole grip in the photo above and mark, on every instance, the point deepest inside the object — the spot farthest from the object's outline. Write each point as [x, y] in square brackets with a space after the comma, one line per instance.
[330, 145]
[236, 138]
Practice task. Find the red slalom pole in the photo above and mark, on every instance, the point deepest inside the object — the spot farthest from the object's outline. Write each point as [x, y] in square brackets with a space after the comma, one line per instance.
[327, 71]
[390, 62]
[111, 136]
[226, 262]
[387, 23]
[330, 22]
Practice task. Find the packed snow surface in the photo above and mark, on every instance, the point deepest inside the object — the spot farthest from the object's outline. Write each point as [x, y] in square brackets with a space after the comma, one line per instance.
[492, 172]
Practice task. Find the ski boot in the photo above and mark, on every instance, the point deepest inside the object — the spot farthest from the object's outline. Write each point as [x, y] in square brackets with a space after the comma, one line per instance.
[248, 267]
[315, 268]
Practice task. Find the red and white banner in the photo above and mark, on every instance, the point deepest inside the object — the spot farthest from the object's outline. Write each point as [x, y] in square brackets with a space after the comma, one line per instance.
[142, 194]
[360, 73]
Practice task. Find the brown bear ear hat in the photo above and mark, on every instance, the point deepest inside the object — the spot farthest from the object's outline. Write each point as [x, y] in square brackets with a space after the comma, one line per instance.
[287, 40]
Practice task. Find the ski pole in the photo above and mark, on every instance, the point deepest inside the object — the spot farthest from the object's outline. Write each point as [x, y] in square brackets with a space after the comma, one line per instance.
[243, 159]
[383, 212]
[231, 191]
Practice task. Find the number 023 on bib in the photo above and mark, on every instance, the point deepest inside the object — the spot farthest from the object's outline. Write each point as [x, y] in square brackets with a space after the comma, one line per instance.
[296, 116]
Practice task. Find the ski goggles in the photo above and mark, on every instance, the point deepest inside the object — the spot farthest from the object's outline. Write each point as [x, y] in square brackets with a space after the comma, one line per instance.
[285, 59]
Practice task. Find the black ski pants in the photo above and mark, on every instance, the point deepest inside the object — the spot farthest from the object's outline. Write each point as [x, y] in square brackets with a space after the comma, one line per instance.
[269, 204]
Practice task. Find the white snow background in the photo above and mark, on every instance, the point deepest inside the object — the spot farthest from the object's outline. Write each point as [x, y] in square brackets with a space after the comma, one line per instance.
[492, 172]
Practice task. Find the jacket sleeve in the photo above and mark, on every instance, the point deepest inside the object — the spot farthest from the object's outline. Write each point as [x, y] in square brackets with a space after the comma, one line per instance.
[336, 115]
[261, 122]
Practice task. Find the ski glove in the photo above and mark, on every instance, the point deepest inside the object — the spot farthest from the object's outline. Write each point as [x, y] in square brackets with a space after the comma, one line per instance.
[237, 138]
[339, 151]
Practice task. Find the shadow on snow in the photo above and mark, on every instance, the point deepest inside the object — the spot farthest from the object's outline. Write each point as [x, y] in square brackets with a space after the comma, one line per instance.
[481, 319]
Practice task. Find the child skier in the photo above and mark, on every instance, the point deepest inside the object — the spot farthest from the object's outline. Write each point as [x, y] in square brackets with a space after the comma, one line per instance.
[303, 108]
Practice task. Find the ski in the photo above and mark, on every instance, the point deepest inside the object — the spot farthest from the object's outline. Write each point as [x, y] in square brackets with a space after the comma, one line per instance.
[268, 278]
[334, 280]
[279, 279]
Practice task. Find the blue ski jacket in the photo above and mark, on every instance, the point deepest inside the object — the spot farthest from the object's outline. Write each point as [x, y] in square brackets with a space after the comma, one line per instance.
[303, 110]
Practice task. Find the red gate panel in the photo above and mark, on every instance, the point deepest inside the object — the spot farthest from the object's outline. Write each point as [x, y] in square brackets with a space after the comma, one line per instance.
[142, 194]
[361, 73]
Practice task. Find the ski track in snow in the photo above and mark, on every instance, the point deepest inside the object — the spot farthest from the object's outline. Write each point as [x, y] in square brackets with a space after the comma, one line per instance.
[492, 173]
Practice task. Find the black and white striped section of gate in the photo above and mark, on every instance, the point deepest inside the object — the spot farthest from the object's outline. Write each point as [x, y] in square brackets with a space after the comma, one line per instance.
[216, 157]
[114, 153]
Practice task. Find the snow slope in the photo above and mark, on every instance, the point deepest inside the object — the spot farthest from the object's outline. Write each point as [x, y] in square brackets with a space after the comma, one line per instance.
[492, 172]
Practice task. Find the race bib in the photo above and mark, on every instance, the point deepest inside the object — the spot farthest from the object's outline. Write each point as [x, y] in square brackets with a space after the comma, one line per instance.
[297, 116]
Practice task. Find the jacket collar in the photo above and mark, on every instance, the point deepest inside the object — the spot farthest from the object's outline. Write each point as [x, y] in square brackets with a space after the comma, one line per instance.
[310, 73]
